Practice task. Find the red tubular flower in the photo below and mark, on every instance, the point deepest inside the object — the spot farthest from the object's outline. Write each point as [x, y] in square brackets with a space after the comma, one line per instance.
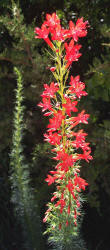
[80, 135]
[77, 87]
[43, 33]
[53, 139]
[69, 209]
[61, 202]
[50, 90]
[61, 154]
[59, 34]
[78, 181]
[52, 21]
[72, 52]
[85, 156]
[67, 162]
[70, 186]
[79, 144]
[81, 27]
[67, 223]
[81, 118]
[56, 121]
[53, 198]
[78, 203]
[46, 104]
[70, 106]
[45, 219]
[78, 30]
[52, 69]
[50, 179]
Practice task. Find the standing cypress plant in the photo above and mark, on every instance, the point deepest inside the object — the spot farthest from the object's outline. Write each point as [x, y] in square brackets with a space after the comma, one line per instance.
[22, 194]
[60, 100]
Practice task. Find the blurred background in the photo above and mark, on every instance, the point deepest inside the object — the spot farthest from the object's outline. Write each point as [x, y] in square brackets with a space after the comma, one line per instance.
[18, 47]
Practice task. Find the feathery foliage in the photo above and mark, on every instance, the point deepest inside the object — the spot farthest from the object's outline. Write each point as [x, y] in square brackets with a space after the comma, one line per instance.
[22, 194]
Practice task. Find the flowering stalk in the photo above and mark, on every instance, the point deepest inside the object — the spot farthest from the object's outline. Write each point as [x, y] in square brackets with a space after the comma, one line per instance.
[59, 101]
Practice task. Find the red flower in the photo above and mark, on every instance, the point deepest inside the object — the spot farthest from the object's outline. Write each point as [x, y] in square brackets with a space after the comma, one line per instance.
[80, 182]
[52, 69]
[79, 30]
[70, 106]
[79, 144]
[50, 90]
[52, 21]
[77, 87]
[80, 140]
[80, 135]
[67, 223]
[69, 209]
[56, 121]
[61, 154]
[59, 34]
[46, 104]
[72, 52]
[43, 33]
[53, 198]
[50, 179]
[70, 186]
[45, 219]
[61, 202]
[78, 204]
[81, 118]
[85, 156]
[53, 139]
[81, 27]
[67, 162]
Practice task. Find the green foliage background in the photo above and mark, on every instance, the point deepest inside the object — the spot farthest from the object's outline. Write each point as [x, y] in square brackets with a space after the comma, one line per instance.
[18, 47]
